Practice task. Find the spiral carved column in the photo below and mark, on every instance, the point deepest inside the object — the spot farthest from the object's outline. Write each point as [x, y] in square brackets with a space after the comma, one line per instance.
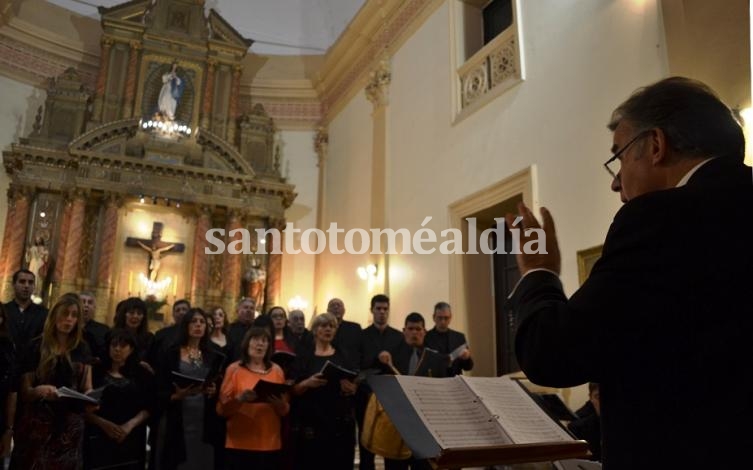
[15, 236]
[200, 264]
[231, 264]
[72, 235]
[274, 267]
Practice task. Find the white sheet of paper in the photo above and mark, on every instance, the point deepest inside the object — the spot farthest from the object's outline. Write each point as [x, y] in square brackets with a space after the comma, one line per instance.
[451, 413]
[517, 413]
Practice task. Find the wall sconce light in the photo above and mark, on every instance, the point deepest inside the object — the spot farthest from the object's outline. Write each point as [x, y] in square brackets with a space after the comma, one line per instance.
[367, 272]
[297, 303]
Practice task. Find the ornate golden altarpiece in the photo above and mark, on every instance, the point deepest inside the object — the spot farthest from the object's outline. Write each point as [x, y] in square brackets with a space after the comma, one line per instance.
[94, 155]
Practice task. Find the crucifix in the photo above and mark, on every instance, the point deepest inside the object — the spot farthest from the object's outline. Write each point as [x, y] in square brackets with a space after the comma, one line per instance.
[156, 248]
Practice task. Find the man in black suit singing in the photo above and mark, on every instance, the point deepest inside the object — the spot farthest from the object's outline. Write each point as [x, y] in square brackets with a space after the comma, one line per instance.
[665, 320]
[25, 318]
[447, 341]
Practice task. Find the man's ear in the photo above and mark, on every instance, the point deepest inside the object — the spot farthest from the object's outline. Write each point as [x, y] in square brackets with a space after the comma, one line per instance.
[657, 146]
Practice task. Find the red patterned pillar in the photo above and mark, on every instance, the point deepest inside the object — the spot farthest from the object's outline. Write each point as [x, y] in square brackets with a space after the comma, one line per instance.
[231, 263]
[130, 88]
[200, 264]
[232, 115]
[274, 266]
[206, 108]
[104, 61]
[73, 244]
[106, 256]
[10, 216]
[65, 223]
[109, 231]
[15, 236]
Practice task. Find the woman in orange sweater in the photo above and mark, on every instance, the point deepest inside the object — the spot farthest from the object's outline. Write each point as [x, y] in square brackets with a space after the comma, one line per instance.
[253, 426]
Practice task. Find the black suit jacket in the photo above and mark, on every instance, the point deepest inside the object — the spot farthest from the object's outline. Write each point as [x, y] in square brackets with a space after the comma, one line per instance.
[23, 327]
[431, 363]
[445, 343]
[348, 339]
[664, 323]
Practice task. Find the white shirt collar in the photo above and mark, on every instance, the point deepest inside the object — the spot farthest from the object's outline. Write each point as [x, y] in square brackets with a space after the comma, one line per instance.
[692, 171]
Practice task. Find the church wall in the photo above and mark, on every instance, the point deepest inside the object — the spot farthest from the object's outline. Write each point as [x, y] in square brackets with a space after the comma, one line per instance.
[347, 190]
[17, 113]
[298, 269]
[582, 59]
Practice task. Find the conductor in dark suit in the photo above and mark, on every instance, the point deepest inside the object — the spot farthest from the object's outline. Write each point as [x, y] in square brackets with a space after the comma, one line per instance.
[446, 341]
[25, 318]
[664, 320]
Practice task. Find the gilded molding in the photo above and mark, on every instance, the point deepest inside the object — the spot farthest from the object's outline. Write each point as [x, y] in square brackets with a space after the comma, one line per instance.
[321, 143]
[377, 88]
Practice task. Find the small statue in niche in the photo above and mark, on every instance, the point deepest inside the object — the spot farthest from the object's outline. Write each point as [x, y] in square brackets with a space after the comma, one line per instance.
[37, 258]
[255, 279]
[169, 95]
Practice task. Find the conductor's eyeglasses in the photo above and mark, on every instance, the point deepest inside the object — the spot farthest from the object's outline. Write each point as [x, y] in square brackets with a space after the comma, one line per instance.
[613, 164]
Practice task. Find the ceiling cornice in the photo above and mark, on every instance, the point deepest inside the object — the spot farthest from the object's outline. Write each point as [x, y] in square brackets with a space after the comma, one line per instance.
[379, 29]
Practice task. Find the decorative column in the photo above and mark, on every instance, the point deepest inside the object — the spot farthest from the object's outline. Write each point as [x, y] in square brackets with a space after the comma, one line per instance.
[206, 107]
[321, 145]
[200, 262]
[104, 62]
[73, 239]
[59, 261]
[232, 114]
[106, 256]
[19, 201]
[377, 92]
[130, 88]
[231, 263]
[274, 266]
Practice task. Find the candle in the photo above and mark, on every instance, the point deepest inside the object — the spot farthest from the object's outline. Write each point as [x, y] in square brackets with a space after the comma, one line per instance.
[130, 282]
[175, 286]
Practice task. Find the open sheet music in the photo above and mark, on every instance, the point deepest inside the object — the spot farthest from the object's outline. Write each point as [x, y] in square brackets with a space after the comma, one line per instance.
[65, 392]
[472, 421]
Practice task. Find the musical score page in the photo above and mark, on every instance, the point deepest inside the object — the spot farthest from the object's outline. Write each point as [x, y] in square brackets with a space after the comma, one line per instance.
[521, 418]
[454, 416]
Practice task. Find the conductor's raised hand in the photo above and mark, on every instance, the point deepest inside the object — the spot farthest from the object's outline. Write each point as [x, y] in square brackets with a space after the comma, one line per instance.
[542, 255]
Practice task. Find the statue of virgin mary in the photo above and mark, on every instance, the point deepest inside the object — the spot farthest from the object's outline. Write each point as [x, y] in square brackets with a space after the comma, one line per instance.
[169, 95]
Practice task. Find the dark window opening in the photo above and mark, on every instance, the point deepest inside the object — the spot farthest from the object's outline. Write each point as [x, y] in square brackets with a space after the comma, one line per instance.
[497, 18]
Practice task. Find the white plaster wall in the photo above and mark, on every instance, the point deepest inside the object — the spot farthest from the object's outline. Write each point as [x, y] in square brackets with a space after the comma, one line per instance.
[582, 57]
[347, 189]
[298, 269]
[18, 106]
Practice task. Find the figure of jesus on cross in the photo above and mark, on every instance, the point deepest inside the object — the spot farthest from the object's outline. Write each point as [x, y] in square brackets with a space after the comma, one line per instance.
[156, 248]
[154, 258]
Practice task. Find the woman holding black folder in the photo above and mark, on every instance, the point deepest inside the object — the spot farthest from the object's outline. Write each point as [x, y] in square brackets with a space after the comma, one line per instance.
[50, 430]
[253, 417]
[116, 432]
[324, 408]
[187, 378]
